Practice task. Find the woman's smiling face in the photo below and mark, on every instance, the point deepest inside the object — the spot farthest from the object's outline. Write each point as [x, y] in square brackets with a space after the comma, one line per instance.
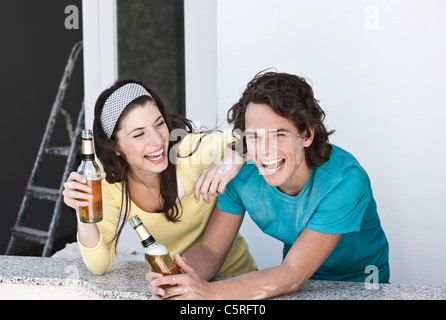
[276, 147]
[143, 139]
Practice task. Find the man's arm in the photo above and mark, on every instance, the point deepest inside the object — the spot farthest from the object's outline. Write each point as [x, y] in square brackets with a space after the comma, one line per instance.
[305, 256]
[208, 257]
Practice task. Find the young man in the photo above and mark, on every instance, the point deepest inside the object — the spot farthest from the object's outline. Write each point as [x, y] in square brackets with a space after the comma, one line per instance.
[309, 194]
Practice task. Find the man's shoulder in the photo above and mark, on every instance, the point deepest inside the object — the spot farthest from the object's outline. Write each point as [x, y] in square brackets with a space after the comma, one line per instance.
[340, 162]
[342, 165]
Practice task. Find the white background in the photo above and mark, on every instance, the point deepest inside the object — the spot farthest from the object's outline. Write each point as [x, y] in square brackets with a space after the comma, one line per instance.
[378, 69]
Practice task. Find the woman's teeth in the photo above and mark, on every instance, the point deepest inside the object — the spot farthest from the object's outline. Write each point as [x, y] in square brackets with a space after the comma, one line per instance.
[155, 155]
[272, 166]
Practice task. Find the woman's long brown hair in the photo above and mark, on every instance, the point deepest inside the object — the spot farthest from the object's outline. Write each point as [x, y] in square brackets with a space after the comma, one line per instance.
[117, 168]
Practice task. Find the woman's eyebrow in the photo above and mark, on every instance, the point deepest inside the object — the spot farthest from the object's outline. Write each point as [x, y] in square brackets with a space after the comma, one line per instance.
[141, 128]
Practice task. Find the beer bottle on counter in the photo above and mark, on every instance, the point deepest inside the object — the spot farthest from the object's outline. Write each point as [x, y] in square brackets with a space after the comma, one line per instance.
[92, 173]
[157, 255]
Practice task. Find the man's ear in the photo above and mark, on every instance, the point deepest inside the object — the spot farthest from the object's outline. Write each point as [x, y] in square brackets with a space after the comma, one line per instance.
[309, 140]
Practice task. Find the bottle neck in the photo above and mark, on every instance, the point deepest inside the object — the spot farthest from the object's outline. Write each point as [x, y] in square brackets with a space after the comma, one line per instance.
[144, 236]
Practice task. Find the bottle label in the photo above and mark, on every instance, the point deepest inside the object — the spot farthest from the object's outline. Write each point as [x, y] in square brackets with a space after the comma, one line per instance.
[87, 148]
[142, 232]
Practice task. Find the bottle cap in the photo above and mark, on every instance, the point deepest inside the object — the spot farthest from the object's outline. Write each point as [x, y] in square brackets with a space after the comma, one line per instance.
[135, 221]
[87, 134]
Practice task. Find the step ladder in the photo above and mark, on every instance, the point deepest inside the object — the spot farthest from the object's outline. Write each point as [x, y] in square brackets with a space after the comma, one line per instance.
[47, 237]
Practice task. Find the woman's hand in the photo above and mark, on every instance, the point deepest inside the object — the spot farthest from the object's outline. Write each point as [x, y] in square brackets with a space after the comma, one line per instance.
[76, 192]
[214, 179]
[186, 286]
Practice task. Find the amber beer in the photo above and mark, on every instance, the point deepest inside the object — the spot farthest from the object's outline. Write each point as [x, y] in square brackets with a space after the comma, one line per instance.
[162, 264]
[93, 212]
[157, 255]
[92, 173]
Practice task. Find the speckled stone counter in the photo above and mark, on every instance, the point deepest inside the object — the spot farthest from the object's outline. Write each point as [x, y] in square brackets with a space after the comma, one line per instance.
[126, 280]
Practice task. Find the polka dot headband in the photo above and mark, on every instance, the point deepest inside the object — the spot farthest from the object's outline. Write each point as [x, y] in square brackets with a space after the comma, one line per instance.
[116, 103]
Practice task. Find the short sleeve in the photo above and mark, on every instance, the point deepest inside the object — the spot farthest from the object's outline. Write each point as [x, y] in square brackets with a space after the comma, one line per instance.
[230, 201]
[342, 209]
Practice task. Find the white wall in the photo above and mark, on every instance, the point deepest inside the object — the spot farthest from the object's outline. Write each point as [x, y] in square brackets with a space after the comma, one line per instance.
[379, 71]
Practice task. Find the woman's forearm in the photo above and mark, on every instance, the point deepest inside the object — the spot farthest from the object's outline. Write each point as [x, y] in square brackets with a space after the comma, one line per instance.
[88, 234]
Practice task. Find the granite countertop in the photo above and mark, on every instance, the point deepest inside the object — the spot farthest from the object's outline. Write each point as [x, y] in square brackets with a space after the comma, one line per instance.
[126, 280]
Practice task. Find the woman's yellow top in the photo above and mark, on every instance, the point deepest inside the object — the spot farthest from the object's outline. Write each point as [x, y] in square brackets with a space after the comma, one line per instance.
[179, 236]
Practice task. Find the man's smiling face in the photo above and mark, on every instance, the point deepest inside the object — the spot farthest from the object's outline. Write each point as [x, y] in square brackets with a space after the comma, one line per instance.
[276, 147]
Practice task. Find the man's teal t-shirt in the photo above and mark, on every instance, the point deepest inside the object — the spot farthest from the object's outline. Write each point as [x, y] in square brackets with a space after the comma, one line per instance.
[337, 199]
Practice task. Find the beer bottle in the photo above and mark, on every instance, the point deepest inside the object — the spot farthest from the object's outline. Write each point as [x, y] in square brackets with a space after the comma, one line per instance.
[92, 173]
[157, 255]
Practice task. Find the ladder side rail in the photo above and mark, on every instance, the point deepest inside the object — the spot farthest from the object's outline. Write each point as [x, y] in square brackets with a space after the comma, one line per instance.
[19, 221]
[55, 110]
[68, 123]
[68, 167]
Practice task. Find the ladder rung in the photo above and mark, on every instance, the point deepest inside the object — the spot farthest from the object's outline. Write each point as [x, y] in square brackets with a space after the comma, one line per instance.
[58, 151]
[30, 234]
[42, 193]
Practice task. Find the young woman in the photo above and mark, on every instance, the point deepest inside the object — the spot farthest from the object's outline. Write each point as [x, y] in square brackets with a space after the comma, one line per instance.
[315, 198]
[149, 175]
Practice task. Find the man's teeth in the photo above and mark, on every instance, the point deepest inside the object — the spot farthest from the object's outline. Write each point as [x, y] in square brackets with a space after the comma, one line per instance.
[271, 165]
[270, 162]
[273, 170]
[155, 155]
